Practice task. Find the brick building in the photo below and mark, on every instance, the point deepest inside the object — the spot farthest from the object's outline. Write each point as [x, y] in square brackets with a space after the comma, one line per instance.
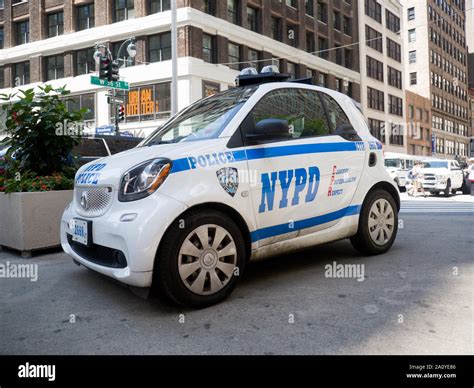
[52, 41]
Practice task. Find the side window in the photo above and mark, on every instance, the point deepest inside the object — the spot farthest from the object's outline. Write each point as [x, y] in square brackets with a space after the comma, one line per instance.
[337, 117]
[302, 109]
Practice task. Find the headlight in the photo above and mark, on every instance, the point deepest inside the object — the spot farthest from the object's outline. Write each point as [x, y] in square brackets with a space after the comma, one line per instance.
[440, 177]
[143, 180]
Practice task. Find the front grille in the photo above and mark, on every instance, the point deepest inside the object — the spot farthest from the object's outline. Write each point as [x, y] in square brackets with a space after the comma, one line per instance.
[98, 254]
[430, 177]
[92, 201]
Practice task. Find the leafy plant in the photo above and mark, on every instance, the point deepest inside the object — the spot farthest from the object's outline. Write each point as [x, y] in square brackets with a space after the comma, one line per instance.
[33, 183]
[40, 130]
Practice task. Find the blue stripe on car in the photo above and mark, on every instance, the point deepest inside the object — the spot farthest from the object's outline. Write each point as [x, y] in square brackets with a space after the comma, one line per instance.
[183, 164]
[277, 230]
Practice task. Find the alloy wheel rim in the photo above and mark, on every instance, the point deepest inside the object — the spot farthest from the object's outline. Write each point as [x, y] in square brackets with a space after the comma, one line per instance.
[381, 222]
[207, 259]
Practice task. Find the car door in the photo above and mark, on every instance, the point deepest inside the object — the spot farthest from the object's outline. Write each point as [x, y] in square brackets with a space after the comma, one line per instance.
[306, 179]
[457, 174]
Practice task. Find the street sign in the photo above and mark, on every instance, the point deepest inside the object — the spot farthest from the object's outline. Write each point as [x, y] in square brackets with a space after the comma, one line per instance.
[110, 84]
[105, 130]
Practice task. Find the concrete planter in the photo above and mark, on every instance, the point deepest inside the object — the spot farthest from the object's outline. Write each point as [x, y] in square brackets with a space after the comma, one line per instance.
[30, 221]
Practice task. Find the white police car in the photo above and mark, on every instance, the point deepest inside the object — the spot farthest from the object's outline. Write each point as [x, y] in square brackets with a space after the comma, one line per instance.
[261, 169]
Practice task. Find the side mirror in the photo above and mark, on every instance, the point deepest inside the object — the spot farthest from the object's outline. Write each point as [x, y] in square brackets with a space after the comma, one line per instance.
[347, 132]
[268, 130]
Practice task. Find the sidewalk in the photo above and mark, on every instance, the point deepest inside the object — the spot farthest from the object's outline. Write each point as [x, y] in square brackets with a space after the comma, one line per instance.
[458, 198]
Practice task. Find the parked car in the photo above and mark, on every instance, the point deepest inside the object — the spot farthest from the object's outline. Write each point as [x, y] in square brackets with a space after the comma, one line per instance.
[442, 176]
[96, 147]
[258, 170]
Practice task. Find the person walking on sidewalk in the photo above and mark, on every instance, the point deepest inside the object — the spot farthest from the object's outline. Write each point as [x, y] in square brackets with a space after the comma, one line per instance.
[418, 180]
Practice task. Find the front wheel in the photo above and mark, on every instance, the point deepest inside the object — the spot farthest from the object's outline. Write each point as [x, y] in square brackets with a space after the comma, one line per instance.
[378, 224]
[200, 259]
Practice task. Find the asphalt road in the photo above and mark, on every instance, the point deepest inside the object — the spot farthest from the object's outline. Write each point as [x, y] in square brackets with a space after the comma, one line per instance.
[416, 299]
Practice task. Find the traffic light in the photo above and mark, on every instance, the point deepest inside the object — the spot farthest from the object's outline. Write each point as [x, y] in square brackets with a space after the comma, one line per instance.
[114, 71]
[104, 68]
[120, 113]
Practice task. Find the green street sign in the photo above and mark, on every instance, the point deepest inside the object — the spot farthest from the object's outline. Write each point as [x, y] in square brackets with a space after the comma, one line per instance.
[110, 84]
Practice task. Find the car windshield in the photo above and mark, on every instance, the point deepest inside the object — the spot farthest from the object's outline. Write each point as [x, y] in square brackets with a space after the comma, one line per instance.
[435, 164]
[205, 119]
[392, 163]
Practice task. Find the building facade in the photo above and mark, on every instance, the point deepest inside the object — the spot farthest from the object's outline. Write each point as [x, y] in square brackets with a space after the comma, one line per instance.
[418, 128]
[382, 64]
[436, 55]
[53, 41]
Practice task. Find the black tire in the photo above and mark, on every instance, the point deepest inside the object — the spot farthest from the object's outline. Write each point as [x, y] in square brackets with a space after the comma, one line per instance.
[447, 191]
[454, 191]
[362, 241]
[166, 274]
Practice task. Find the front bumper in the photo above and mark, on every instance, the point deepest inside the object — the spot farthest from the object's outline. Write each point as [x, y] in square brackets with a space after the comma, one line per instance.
[124, 250]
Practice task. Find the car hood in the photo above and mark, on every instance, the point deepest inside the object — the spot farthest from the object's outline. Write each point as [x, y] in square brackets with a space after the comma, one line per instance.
[109, 170]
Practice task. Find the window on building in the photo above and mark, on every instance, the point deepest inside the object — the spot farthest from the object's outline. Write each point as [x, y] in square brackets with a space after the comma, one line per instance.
[348, 58]
[396, 134]
[2, 38]
[411, 13]
[323, 47]
[147, 102]
[395, 105]
[323, 80]
[322, 12]
[209, 7]
[412, 35]
[123, 10]
[292, 3]
[394, 50]
[155, 6]
[374, 69]
[373, 39]
[291, 70]
[54, 67]
[310, 42]
[309, 7]
[83, 101]
[392, 21]
[122, 57]
[374, 10]
[21, 73]
[292, 34]
[347, 25]
[413, 78]
[2, 4]
[22, 32]
[85, 62]
[375, 99]
[85, 17]
[159, 47]
[252, 19]
[377, 129]
[253, 58]
[233, 11]
[412, 56]
[339, 55]
[208, 48]
[336, 18]
[276, 28]
[55, 24]
[394, 77]
[234, 56]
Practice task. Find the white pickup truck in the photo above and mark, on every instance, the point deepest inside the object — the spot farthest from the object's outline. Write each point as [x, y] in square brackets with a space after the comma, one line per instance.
[442, 175]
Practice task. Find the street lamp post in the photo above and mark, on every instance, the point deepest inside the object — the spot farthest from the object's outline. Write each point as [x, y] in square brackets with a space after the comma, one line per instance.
[101, 51]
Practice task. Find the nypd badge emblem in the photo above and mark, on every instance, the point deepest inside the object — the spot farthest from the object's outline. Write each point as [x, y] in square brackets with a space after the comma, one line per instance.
[229, 179]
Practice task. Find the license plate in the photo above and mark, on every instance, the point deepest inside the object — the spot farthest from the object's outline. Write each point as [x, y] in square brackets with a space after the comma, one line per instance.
[81, 231]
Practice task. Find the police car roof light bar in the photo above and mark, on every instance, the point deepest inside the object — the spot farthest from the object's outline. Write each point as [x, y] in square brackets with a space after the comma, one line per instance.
[250, 76]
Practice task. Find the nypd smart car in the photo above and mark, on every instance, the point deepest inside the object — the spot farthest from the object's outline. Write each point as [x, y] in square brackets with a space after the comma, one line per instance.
[264, 168]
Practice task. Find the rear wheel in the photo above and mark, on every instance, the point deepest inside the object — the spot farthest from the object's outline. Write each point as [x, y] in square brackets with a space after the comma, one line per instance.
[378, 224]
[198, 265]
